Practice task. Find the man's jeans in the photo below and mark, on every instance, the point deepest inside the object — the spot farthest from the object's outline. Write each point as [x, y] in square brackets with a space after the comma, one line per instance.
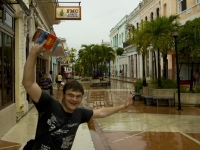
[51, 90]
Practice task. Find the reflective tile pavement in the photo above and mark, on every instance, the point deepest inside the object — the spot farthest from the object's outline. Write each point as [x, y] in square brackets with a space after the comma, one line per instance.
[140, 127]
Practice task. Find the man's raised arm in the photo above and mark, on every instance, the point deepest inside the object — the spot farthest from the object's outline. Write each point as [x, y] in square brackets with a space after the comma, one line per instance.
[28, 81]
[107, 111]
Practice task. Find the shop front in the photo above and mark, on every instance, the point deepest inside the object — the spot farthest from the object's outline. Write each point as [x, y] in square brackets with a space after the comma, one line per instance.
[7, 67]
[18, 22]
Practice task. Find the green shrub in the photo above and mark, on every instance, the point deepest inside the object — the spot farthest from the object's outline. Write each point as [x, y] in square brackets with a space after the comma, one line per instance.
[165, 83]
[184, 90]
[138, 85]
[197, 90]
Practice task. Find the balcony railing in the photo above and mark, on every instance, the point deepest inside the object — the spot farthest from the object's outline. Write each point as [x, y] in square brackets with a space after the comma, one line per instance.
[126, 44]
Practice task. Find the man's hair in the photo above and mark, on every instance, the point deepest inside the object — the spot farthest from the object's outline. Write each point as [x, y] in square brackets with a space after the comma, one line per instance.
[50, 71]
[74, 86]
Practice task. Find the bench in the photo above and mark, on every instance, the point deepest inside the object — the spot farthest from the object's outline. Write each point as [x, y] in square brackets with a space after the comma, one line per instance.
[137, 96]
[161, 96]
[148, 100]
[95, 82]
[169, 99]
[104, 82]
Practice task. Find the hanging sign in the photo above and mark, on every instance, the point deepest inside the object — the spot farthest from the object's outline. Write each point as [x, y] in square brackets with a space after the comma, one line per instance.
[68, 13]
[66, 58]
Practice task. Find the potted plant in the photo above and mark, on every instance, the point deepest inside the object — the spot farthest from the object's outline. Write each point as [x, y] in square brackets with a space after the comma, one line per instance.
[163, 93]
[138, 86]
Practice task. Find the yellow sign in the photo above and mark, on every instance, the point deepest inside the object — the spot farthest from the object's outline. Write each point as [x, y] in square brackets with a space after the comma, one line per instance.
[68, 13]
[66, 59]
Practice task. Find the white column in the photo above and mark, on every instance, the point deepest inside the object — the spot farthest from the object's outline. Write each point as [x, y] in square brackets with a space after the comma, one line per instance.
[31, 27]
[20, 58]
[138, 66]
[150, 64]
[117, 65]
[135, 65]
[127, 66]
[156, 52]
[141, 66]
[161, 64]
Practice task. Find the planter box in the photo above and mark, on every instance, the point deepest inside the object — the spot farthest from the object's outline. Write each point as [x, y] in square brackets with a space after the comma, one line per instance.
[145, 90]
[141, 91]
[137, 96]
[162, 92]
[158, 96]
[163, 96]
[149, 101]
[188, 98]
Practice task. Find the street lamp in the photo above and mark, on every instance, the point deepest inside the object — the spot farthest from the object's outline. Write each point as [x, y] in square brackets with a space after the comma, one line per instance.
[175, 35]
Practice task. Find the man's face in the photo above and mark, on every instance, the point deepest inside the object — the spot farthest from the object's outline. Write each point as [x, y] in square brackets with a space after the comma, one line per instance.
[45, 76]
[71, 100]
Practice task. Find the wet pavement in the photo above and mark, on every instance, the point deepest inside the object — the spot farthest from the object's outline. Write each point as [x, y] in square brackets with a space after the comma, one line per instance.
[140, 127]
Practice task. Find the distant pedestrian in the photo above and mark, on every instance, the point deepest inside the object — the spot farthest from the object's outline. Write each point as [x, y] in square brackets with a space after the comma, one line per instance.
[116, 73]
[196, 77]
[45, 84]
[50, 77]
[113, 73]
[59, 80]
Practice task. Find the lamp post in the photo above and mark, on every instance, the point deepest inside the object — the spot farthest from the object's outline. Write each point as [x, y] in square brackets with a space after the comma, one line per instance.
[175, 35]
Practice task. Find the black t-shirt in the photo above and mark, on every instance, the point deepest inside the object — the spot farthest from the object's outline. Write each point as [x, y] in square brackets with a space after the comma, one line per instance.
[52, 115]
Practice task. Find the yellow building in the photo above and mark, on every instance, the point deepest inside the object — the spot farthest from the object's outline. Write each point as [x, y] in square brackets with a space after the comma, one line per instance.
[150, 10]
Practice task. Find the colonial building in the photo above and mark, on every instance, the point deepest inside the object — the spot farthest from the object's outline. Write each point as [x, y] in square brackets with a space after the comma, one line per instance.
[18, 22]
[131, 61]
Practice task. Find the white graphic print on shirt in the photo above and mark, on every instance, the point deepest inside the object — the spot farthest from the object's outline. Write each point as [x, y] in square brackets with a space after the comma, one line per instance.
[44, 147]
[67, 141]
[51, 122]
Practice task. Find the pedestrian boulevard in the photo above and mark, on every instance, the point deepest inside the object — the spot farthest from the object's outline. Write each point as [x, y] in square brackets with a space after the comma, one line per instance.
[140, 127]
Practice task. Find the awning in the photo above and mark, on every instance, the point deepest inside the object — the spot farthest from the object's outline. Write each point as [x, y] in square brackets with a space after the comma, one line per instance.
[58, 52]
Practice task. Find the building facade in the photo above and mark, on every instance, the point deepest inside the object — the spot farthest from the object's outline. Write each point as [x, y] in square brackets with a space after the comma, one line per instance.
[131, 61]
[18, 22]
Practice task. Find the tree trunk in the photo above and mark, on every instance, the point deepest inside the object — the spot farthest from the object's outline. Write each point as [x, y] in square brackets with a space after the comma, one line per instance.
[165, 75]
[143, 69]
[159, 69]
[155, 68]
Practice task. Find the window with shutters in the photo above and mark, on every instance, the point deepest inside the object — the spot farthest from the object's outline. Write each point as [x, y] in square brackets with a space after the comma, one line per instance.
[181, 5]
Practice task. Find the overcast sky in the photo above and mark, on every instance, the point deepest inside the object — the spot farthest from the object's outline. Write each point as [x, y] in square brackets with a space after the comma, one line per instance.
[98, 18]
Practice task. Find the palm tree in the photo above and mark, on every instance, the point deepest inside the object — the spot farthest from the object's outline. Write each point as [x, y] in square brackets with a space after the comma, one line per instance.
[159, 30]
[97, 55]
[87, 59]
[188, 43]
[94, 55]
[72, 54]
[108, 54]
[137, 38]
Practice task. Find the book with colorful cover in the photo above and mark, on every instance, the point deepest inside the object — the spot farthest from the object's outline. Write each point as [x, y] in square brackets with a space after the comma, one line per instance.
[41, 35]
